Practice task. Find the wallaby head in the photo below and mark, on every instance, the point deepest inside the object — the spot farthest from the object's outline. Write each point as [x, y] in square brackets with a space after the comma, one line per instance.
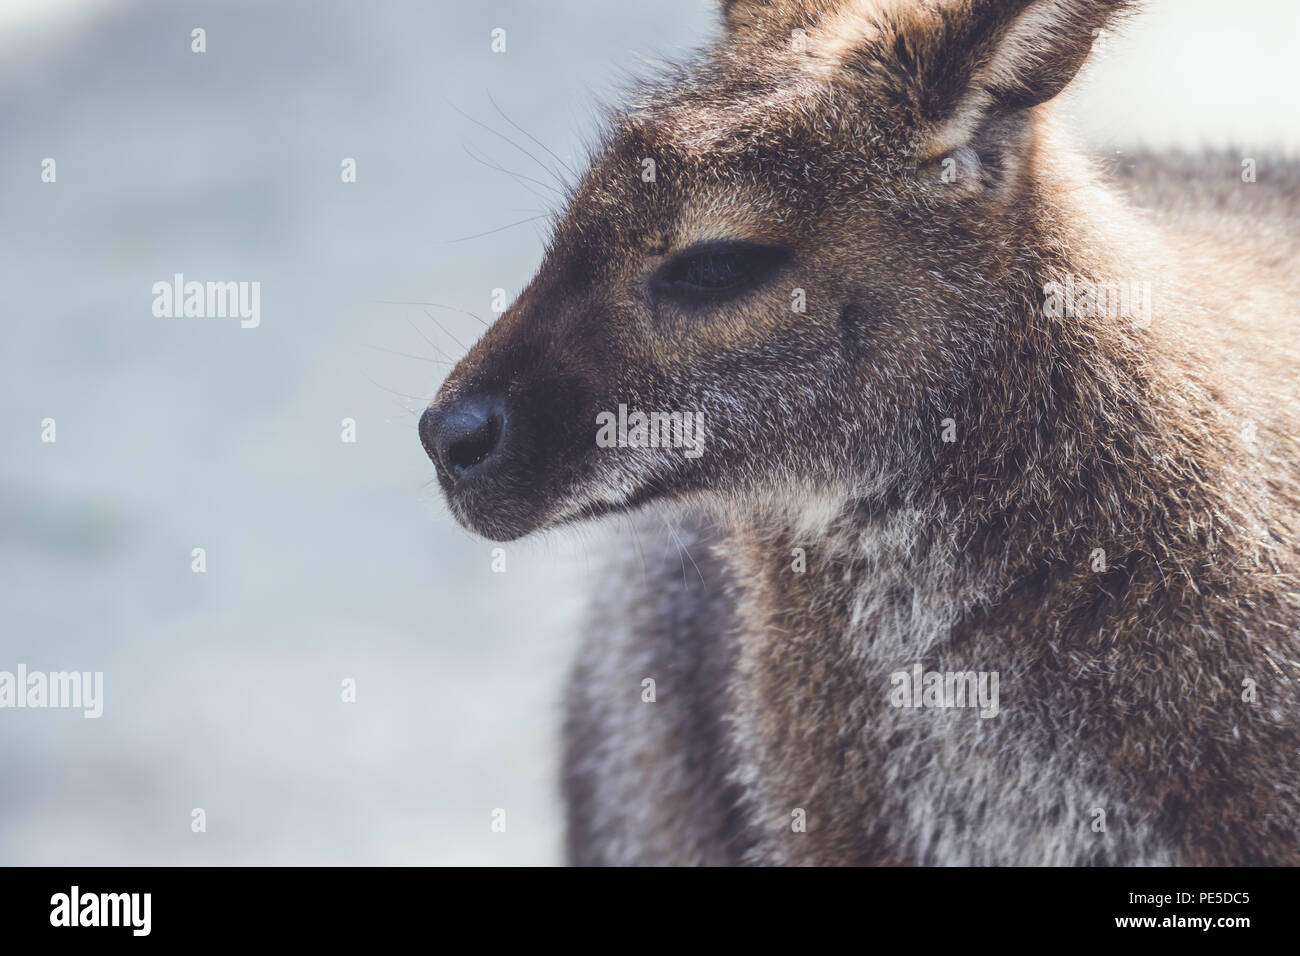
[803, 244]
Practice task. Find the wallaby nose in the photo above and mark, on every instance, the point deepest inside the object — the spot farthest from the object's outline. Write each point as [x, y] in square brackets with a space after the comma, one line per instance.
[462, 435]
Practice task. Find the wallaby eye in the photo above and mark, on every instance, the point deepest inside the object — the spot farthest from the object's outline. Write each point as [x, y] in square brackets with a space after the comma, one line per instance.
[717, 270]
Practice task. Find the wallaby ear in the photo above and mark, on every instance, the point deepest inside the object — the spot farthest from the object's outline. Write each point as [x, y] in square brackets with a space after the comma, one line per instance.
[969, 63]
[955, 74]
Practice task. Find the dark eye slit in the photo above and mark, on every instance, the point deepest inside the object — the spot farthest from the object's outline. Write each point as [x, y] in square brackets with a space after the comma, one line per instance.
[717, 270]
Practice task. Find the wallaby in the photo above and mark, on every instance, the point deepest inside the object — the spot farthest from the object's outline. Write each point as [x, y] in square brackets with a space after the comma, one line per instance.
[981, 422]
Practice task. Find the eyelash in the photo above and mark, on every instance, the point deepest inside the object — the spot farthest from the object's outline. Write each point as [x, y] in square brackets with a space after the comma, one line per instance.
[717, 271]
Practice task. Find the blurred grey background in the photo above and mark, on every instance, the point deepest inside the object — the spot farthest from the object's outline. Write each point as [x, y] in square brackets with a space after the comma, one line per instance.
[327, 560]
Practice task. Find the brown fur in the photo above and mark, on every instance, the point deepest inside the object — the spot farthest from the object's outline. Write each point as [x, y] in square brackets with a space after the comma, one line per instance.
[1172, 447]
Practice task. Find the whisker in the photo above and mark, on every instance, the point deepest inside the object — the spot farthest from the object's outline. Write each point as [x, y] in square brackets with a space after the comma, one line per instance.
[682, 549]
[558, 178]
[439, 305]
[436, 305]
[410, 355]
[445, 331]
[405, 408]
[550, 152]
[519, 177]
[420, 333]
[480, 235]
[414, 398]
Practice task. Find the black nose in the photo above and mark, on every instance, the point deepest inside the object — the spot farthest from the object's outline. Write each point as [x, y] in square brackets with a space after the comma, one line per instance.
[462, 435]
